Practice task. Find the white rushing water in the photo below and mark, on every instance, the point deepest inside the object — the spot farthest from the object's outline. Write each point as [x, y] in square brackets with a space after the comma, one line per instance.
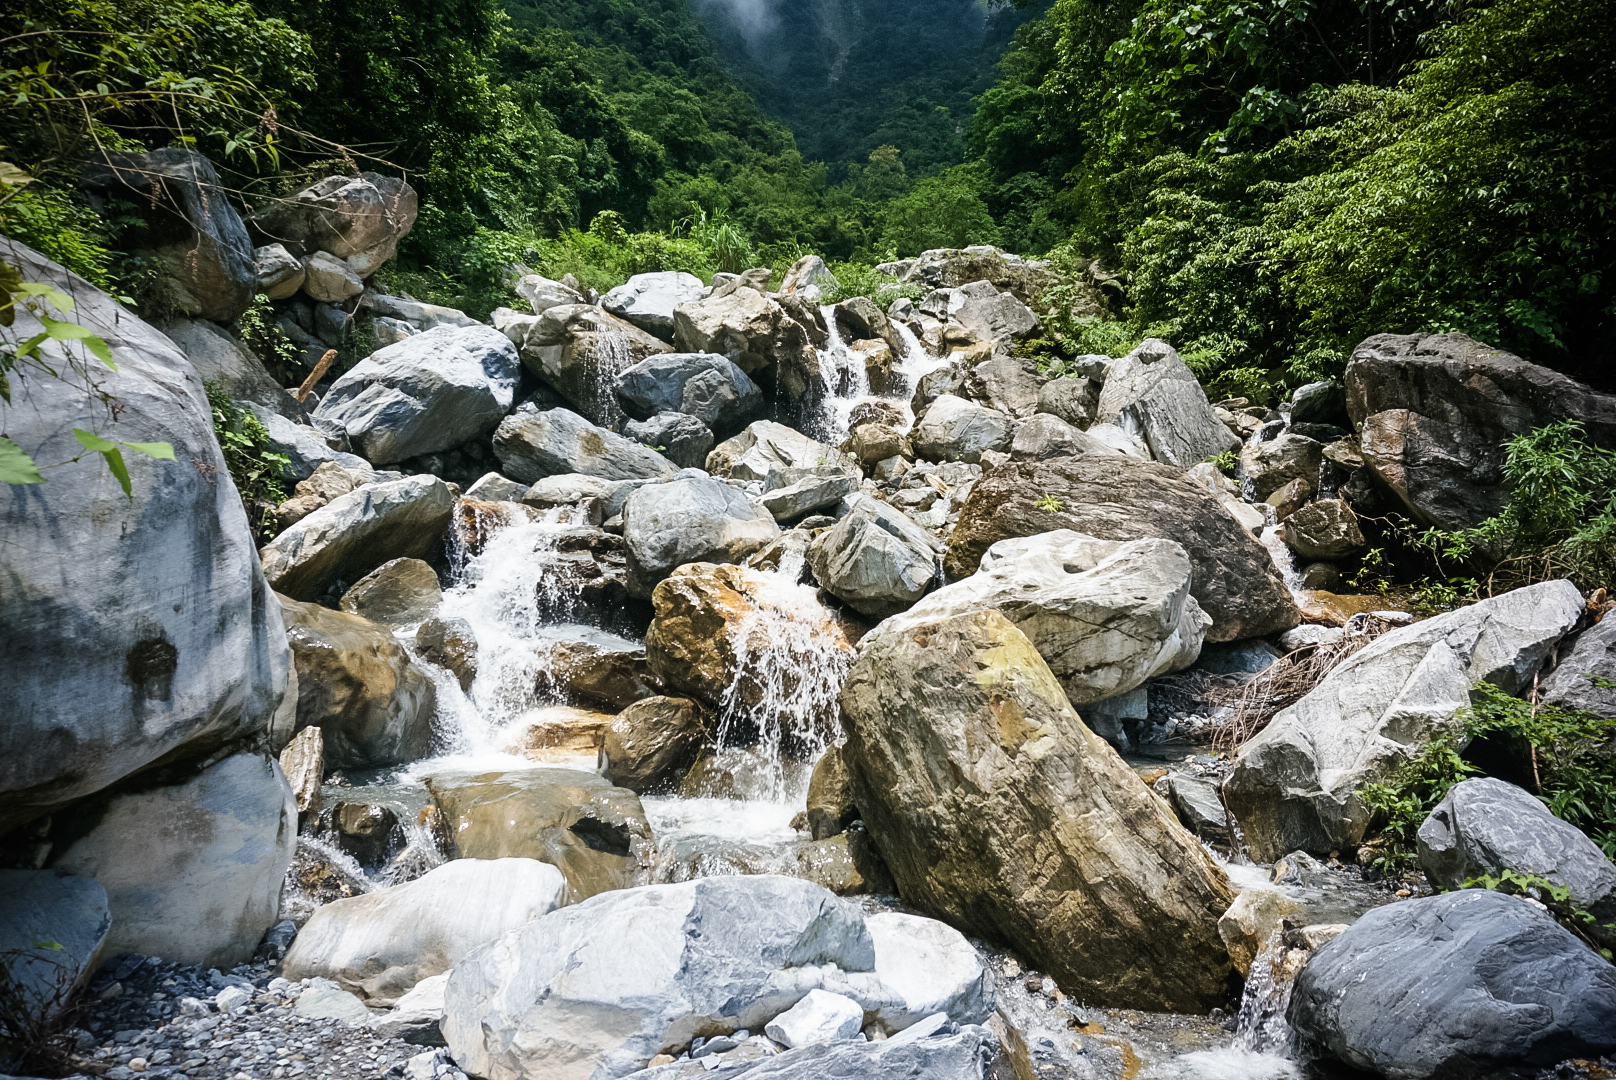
[845, 381]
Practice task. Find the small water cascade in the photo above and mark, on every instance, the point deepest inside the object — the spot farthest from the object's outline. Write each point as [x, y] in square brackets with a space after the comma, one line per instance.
[609, 356]
[1285, 560]
[1261, 1027]
[519, 591]
[845, 380]
[790, 671]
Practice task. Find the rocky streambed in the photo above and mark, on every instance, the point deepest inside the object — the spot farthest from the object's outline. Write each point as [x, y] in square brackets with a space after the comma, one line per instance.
[700, 680]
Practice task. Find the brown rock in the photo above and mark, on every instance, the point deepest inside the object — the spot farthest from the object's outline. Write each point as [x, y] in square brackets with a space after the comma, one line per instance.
[594, 833]
[877, 359]
[449, 643]
[830, 796]
[597, 675]
[692, 644]
[650, 745]
[1000, 813]
[303, 762]
[395, 593]
[1289, 498]
[871, 443]
[561, 733]
[1118, 498]
[355, 682]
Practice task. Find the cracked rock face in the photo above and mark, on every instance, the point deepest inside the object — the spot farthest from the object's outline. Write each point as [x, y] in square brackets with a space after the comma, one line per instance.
[1105, 615]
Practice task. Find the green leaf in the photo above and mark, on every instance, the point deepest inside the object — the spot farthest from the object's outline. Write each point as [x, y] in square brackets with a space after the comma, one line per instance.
[162, 450]
[17, 467]
[91, 441]
[120, 470]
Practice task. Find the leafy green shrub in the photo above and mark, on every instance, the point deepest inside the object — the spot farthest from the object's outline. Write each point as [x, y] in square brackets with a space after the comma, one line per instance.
[863, 279]
[266, 341]
[1571, 755]
[255, 469]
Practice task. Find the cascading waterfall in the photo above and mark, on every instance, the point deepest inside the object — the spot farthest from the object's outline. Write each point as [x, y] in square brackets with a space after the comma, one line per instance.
[845, 380]
[609, 356]
[518, 593]
[1261, 1027]
[1285, 560]
[790, 672]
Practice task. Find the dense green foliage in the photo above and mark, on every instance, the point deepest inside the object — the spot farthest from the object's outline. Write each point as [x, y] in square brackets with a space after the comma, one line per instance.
[1277, 179]
[851, 76]
[255, 469]
[1567, 757]
[1271, 180]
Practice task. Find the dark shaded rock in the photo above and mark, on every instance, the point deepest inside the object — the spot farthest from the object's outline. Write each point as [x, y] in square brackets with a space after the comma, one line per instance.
[1454, 986]
[187, 224]
[1590, 661]
[1437, 409]
[650, 745]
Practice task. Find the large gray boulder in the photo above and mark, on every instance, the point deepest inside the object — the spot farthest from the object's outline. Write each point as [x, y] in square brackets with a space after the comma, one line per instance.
[1575, 682]
[648, 300]
[187, 227]
[156, 596]
[598, 989]
[693, 520]
[792, 494]
[380, 944]
[765, 446]
[192, 868]
[306, 447]
[980, 307]
[1456, 985]
[932, 967]
[1436, 410]
[954, 429]
[218, 357]
[1000, 813]
[875, 559]
[372, 703]
[753, 331]
[1152, 391]
[1104, 614]
[580, 350]
[52, 927]
[1044, 436]
[533, 445]
[1114, 497]
[355, 533]
[708, 387]
[677, 436]
[430, 392]
[1295, 784]
[359, 219]
[1485, 827]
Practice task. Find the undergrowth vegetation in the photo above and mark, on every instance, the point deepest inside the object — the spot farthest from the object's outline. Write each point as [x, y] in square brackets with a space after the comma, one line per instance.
[1564, 756]
[255, 468]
